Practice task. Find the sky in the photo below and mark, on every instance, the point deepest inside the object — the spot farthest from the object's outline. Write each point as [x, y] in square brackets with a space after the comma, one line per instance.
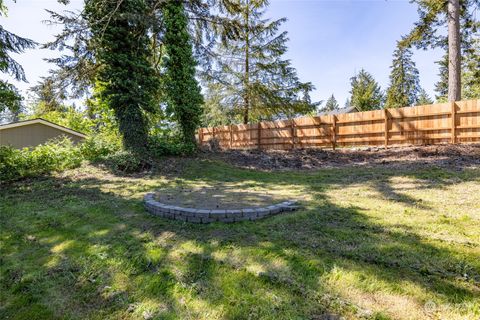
[330, 40]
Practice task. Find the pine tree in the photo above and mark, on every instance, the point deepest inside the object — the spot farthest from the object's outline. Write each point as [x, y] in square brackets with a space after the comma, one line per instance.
[331, 104]
[214, 112]
[404, 80]
[10, 99]
[46, 97]
[441, 86]
[366, 94]
[423, 98]
[458, 17]
[257, 81]
[120, 41]
[471, 72]
[181, 88]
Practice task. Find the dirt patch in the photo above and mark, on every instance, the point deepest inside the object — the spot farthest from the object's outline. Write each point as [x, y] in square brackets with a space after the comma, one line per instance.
[218, 197]
[451, 156]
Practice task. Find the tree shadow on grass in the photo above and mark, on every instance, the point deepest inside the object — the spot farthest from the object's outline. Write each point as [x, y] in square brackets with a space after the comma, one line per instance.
[73, 248]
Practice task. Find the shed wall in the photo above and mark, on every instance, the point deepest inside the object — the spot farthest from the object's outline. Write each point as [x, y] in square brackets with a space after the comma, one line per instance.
[32, 135]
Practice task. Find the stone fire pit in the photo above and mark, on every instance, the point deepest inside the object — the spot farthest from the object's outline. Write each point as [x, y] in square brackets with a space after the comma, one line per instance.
[212, 204]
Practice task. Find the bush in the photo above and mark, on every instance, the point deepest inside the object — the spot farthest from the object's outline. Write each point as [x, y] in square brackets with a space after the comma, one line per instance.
[163, 146]
[127, 162]
[96, 148]
[52, 156]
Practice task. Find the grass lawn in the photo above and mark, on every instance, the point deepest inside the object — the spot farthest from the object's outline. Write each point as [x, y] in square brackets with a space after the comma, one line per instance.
[376, 243]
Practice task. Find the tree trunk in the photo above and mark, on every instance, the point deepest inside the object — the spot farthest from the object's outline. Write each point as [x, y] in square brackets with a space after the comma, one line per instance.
[246, 98]
[454, 66]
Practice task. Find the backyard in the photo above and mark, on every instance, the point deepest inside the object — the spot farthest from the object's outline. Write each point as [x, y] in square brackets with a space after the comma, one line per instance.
[369, 242]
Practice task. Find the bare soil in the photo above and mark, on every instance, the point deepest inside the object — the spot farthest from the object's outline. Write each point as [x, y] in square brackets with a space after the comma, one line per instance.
[455, 157]
[220, 196]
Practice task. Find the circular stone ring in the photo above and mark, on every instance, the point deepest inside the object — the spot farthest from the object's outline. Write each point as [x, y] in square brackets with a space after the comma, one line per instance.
[206, 215]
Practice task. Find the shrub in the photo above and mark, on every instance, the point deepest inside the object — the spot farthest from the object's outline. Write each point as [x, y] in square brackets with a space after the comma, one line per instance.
[70, 118]
[27, 162]
[127, 162]
[96, 148]
[12, 163]
[164, 146]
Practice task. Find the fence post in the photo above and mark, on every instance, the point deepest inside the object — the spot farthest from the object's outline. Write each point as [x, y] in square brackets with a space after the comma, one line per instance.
[334, 132]
[454, 125]
[292, 132]
[200, 136]
[231, 136]
[385, 113]
[259, 135]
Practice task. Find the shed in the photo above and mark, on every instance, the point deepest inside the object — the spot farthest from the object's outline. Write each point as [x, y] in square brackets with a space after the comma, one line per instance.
[31, 133]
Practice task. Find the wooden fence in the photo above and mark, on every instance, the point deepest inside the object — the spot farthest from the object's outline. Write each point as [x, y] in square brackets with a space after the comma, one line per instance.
[450, 122]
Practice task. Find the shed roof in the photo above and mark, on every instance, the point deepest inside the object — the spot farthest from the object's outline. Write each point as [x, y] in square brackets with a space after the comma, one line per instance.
[339, 111]
[41, 121]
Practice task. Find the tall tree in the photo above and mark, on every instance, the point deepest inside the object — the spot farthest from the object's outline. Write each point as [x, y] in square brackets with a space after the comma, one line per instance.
[257, 81]
[404, 80]
[454, 64]
[10, 102]
[365, 92]
[181, 88]
[470, 73]
[76, 70]
[331, 104]
[441, 86]
[10, 99]
[122, 48]
[458, 17]
[46, 97]
[214, 112]
[423, 97]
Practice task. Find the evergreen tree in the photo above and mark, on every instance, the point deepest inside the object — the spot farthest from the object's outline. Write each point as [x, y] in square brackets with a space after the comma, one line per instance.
[256, 81]
[214, 112]
[441, 86]
[181, 88]
[331, 104]
[471, 72]
[404, 80]
[458, 16]
[423, 98]
[47, 99]
[366, 94]
[10, 99]
[347, 103]
[121, 46]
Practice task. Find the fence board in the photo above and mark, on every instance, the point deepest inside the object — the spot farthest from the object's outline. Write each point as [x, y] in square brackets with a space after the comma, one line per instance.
[427, 124]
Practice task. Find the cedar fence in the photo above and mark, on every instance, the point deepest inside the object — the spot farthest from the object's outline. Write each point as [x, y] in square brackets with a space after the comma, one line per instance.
[452, 122]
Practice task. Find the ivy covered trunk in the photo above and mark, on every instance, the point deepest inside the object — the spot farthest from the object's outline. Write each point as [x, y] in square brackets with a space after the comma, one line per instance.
[182, 90]
[129, 83]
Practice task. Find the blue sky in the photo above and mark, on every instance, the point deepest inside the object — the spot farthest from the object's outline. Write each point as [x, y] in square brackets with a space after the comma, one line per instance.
[330, 40]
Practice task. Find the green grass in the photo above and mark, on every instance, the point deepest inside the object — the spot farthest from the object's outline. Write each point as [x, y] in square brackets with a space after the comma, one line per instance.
[368, 244]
